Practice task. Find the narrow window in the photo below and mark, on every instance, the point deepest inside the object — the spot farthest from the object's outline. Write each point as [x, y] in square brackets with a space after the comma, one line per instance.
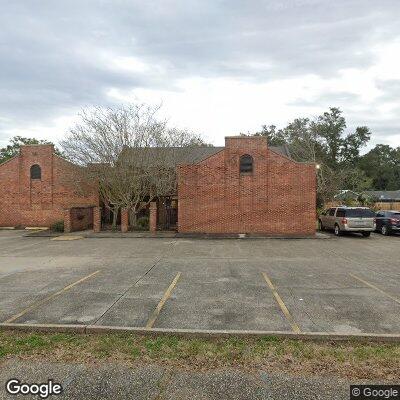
[246, 164]
[36, 172]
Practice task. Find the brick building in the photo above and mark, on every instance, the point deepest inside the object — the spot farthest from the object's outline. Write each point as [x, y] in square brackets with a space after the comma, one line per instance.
[36, 187]
[244, 187]
[247, 187]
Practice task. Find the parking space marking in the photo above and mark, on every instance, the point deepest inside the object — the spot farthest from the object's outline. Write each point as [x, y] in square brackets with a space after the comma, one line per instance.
[375, 287]
[160, 305]
[281, 304]
[37, 304]
[67, 238]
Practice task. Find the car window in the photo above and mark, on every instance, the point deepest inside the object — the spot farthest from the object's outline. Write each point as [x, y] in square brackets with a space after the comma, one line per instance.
[359, 213]
[379, 214]
[340, 212]
[332, 211]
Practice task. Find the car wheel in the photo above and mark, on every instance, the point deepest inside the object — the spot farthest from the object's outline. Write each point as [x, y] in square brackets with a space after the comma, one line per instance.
[385, 230]
[366, 234]
[338, 232]
[321, 226]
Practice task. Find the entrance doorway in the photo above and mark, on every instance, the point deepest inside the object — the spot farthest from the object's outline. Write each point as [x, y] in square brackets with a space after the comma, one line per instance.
[167, 213]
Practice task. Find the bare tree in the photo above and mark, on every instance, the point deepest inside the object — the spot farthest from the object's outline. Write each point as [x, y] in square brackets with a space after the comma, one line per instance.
[130, 152]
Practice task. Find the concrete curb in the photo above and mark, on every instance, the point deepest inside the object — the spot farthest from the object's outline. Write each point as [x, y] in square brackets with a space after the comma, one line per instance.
[43, 328]
[118, 235]
[196, 333]
[209, 237]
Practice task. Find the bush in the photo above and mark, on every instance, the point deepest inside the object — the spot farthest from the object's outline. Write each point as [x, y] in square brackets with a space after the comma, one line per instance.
[58, 226]
[142, 224]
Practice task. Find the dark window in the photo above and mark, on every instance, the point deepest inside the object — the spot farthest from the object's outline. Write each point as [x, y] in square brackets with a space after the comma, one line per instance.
[246, 164]
[340, 212]
[332, 211]
[360, 213]
[36, 172]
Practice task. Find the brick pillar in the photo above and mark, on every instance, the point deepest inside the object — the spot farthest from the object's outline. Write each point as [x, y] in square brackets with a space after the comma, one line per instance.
[124, 220]
[67, 220]
[153, 217]
[96, 219]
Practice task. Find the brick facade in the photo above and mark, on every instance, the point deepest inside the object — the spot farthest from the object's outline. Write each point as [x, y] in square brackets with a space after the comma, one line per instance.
[41, 202]
[78, 219]
[96, 219]
[277, 198]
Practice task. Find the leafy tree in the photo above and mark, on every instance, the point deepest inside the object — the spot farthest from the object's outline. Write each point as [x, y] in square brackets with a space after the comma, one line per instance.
[350, 151]
[340, 149]
[274, 137]
[324, 141]
[382, 165]
[330, 127]
[355, 179]
[16, 142]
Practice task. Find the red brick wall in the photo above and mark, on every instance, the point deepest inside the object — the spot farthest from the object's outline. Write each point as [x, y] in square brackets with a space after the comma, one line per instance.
[278, 198]
[81, 218]
[41, 202]
[124, 220]
[96, 219]
[153, 217]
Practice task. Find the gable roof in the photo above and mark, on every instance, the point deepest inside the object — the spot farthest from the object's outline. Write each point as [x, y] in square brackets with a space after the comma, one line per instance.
[183, 155]
[346, 195]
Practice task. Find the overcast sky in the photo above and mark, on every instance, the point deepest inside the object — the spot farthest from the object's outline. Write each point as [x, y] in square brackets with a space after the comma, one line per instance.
[218, 67]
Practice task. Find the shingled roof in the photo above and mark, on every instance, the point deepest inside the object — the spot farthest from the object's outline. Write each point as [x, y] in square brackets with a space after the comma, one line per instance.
[185, 155]
[385, 195]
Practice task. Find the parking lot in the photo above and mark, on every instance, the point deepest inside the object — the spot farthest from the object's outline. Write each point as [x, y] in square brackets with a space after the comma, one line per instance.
[344, 285]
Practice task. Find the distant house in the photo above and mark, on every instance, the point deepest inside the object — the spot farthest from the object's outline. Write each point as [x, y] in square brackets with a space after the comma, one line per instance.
[383, 196]
[381, 199]
[345, 195]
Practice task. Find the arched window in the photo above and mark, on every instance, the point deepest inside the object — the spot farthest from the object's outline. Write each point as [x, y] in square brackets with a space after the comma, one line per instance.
[36, 172]
[246, 164]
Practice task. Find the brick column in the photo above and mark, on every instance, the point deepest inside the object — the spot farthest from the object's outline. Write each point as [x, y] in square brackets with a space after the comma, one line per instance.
[124, 220]
[67, 220]
[96, 219]
[153, 217]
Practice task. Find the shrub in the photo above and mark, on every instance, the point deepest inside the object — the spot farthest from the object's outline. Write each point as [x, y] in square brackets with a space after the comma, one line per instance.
[142, 224]
[58, 226]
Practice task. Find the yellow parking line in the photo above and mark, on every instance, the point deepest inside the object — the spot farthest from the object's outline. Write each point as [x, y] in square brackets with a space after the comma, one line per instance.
[48, 298]
[282, 305]
[62, 238]
[376, 288]
[160, 305]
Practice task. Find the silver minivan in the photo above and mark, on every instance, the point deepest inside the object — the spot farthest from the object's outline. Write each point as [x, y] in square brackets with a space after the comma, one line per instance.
[348, 219]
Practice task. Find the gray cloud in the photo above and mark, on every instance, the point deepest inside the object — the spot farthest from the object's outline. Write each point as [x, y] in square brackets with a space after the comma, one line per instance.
[57, 56]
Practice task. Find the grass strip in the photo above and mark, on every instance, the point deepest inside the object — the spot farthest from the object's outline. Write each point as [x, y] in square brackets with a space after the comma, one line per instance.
[350, 359]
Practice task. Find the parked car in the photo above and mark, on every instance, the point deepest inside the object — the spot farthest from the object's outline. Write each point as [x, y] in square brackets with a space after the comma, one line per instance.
[388, 222]
[348, 219]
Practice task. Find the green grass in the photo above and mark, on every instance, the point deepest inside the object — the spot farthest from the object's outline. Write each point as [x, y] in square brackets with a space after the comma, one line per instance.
[349, 359]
